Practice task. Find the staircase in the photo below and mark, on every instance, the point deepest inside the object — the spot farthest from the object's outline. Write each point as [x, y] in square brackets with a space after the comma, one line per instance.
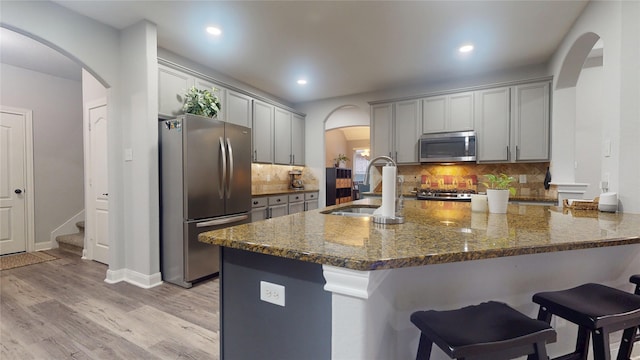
[73, 243]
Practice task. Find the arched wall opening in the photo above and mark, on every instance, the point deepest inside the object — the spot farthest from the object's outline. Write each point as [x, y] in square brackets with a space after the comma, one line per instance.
[346, 132]
[44, 78]
[578, 119]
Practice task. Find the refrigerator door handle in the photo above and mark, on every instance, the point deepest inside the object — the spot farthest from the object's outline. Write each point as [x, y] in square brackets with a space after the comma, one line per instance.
[230, 182]
[224, 221]
[223, 179]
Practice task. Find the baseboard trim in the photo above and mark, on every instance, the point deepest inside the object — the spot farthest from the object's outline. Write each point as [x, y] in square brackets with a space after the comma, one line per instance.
[42, 246]
[133, 278]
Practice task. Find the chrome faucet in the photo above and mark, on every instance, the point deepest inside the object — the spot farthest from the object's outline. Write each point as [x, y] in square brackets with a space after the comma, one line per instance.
[387, 158]
[398, 202]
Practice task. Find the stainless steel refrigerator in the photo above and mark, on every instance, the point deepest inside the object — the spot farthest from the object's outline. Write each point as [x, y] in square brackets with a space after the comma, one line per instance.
[205, 184]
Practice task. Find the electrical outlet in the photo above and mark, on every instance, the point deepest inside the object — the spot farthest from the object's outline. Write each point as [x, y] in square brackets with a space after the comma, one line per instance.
[272, 293]
[268, 177]
[523, 179]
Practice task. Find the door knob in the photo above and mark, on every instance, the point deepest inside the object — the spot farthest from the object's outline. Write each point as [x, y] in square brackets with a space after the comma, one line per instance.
[17, 191]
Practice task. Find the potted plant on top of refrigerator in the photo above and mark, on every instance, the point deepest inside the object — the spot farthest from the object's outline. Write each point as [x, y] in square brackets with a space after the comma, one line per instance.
[498, 190]
[202, 102]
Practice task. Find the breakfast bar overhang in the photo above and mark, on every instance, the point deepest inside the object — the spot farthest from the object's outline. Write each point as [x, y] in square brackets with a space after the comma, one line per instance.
[350, 285]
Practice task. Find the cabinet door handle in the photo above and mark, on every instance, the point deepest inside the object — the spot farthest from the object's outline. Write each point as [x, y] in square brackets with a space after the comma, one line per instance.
[517, 152]
[508, 155]
[255, 155]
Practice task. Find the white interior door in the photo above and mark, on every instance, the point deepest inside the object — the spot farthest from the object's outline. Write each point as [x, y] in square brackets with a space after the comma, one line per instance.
[98, 213]
[13, 182]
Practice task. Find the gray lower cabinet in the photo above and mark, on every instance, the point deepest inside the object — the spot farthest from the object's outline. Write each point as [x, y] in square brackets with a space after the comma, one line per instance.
[296, 203]
[267, 207]
[259, 209]
[278, 206]
[310, 201]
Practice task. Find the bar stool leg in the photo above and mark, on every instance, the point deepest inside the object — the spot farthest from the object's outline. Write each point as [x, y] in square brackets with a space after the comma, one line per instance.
[424, 348]
[541, 351]
[601, 349]
[626, 344]
[582, 343]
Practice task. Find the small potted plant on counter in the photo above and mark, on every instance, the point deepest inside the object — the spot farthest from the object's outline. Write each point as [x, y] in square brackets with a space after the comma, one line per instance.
[201, 102]
[498, 190]
[341, 161]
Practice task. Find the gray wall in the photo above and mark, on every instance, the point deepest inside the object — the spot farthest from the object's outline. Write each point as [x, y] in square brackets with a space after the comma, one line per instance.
[254, 329]
[57, 140]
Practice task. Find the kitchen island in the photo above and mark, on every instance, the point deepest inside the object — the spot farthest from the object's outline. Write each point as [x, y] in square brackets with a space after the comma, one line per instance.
[350, 285]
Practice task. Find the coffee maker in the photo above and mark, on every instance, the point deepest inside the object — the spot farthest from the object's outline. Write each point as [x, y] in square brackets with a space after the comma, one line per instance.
[295, 180]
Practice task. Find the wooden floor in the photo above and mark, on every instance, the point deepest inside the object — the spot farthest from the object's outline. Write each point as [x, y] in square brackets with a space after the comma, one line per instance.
[63, 309]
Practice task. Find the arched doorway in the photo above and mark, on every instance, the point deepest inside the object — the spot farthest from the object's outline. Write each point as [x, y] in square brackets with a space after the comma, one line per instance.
[578, 106]
[347, 134]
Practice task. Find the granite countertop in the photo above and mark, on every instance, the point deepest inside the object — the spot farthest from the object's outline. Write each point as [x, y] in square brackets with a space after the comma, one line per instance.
[282, 192]
[434, 232]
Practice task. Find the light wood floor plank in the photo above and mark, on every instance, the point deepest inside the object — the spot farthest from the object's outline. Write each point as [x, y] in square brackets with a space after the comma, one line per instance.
[63, 309]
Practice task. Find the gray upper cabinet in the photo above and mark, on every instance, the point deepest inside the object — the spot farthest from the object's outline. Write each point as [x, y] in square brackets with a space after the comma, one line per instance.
[406, 131]
[513, 123]
[492, 124]
[448, 113]
[238, 109]
[434, 114]
[531, 122]
[381, 129]
[278, 134]
[461, 116]
[172, 84]
[395, 130]
[262, 132]
[297, 139]
[282, 137]
[288, 139]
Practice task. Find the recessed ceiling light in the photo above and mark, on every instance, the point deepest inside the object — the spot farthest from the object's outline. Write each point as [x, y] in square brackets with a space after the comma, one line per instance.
[302, 82]
[214, 30]
[466, 48]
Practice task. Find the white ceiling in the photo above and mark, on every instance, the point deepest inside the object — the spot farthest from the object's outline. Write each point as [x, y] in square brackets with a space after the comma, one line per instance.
[19, 50]
[348, 47]
[355, 133]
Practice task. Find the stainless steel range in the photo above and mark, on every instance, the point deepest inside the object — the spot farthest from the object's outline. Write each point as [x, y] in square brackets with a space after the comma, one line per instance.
[444, 195]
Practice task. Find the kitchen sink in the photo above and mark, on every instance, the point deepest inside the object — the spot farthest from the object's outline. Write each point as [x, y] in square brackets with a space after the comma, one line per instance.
[354, 211]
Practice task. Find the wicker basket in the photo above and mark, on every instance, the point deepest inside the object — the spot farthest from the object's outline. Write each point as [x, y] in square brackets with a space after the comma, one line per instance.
[581, 205]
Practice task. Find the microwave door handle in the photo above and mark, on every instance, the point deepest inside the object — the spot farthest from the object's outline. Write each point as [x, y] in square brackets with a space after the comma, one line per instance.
[466, 146]
[223, 178]
[230, 182]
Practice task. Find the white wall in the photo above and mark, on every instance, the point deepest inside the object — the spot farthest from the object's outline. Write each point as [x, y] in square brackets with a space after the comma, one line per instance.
[92, 89]
[335, 143]
[57, 143]
[589, 122]
[616, 24]
[113, 57]
[139, 79]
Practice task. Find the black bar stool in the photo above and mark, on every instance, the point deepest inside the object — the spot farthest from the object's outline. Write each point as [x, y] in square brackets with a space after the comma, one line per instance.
[598, 310]
[630, 335]
[490, 330]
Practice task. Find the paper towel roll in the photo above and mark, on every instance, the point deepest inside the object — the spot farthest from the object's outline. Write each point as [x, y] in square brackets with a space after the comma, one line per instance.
[388, 208]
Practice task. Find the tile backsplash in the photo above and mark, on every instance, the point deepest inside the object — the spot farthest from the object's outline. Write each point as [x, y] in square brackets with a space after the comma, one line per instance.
[268, 178]
[470, 176]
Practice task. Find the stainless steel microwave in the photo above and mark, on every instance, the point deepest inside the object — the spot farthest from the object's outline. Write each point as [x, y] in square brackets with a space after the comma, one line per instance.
[448, 147]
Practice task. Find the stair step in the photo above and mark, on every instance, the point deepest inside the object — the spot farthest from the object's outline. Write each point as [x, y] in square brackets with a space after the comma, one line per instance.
[73, 243]
[80, 225]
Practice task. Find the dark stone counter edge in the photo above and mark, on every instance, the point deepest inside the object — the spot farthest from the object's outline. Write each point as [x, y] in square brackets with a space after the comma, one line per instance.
[381, 264]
